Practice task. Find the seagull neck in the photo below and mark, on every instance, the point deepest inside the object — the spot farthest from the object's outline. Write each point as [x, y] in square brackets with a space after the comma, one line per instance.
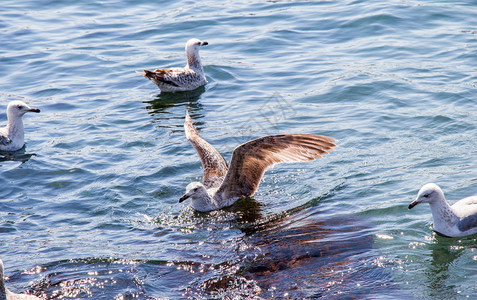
[15, 126]
[193, 62]
[204, 203]
[443, 215]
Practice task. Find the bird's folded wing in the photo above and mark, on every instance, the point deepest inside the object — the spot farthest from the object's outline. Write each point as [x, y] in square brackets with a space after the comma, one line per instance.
[466, 210]
[5, 140]
[177, 77]
[467, 223]
[213, 163]
[252, 159]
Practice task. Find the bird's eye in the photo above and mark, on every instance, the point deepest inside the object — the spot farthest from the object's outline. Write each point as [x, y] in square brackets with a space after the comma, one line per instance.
[426, 195]
[20, 107]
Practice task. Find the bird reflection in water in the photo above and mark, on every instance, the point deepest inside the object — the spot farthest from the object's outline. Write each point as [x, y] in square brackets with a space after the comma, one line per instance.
[446, 253]
[16, 156]
[163, 101]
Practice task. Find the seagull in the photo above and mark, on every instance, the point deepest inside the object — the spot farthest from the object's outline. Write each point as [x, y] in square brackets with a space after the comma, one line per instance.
[457, 220]
[181, 79]
[6, 294]
[12, 135]
[222, 185]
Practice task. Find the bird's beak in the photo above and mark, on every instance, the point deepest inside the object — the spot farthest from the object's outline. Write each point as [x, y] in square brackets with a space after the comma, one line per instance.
[183, 198]
[35, 110]
[204, 43]
[413, 203]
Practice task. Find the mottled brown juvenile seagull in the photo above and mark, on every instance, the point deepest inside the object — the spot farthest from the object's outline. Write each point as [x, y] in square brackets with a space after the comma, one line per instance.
[222, 186]
[181, 79]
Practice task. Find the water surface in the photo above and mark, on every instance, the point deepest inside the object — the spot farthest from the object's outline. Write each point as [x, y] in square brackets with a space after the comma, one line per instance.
[89, 208]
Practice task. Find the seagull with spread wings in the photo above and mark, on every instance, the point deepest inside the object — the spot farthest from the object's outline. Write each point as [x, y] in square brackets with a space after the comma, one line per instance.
[223, 185]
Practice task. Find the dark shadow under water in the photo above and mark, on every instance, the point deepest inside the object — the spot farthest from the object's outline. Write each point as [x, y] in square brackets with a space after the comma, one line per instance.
[308, 258]
[300, 254]
[295, 254]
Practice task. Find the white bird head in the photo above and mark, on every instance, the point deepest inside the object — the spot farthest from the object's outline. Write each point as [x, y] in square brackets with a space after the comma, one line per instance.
[197, 192]
[17, 108]
[429, 193]
[193, 45]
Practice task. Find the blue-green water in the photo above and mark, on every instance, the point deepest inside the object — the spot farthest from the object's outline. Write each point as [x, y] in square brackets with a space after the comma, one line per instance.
[93, 212]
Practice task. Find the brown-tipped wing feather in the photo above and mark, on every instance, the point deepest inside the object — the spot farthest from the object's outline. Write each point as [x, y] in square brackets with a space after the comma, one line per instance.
[252, 159]
[161, 75]
[175, 77]
[213, 163]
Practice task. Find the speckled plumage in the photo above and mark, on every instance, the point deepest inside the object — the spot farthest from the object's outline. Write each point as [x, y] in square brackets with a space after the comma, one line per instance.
[457, 220]
[222, 185]
[181, 79]
[215, 166]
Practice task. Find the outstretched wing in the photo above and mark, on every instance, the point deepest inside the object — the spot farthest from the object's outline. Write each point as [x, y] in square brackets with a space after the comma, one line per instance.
[252, 159]
[175, 77]
[213, 163]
